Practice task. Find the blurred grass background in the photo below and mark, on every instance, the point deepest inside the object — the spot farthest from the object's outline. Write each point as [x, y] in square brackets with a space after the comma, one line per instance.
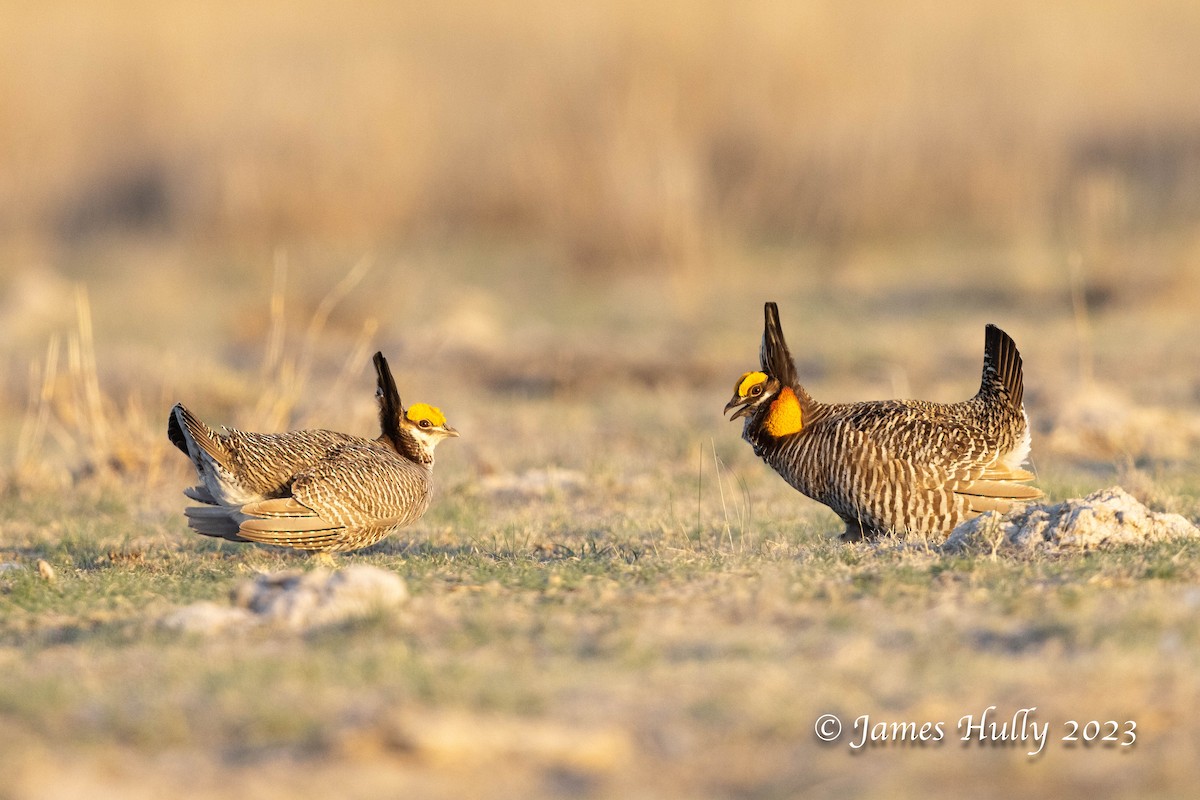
[560, 221]
[621, 133]
[539, 182]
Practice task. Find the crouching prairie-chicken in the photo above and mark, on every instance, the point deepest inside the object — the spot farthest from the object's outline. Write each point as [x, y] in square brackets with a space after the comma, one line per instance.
[313, 489]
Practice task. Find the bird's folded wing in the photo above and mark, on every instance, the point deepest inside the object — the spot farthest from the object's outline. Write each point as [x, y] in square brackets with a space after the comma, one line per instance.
[283, 521]
[363, 485]
[1000, 490]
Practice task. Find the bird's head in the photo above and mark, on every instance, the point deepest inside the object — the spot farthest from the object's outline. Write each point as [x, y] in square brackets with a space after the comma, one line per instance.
[414, 431]
[751, 391]
[773, 387]
[426, 425]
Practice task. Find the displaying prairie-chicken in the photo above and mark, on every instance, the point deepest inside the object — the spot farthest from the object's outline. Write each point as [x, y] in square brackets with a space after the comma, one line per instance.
[313, 489]
[892, 465]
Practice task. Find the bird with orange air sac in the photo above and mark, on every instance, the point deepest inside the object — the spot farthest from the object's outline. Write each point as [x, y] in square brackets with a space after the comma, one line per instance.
[902, 466]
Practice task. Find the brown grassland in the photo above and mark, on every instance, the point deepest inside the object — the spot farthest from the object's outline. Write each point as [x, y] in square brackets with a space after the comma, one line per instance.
[560, 222]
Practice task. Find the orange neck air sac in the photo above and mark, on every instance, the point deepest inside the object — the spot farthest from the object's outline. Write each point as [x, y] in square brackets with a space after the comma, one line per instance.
[784, 417]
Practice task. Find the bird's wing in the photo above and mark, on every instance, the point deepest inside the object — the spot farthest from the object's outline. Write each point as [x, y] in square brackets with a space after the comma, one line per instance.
[361, 484]
[992, 486]
[950, 457]
[284, 521]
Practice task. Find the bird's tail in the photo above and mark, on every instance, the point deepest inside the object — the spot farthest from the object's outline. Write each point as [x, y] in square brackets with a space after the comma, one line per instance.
[1002, 367]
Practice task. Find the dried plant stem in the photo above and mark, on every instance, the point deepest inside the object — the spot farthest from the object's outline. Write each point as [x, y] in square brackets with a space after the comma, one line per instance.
[31, 441]
[285, 378]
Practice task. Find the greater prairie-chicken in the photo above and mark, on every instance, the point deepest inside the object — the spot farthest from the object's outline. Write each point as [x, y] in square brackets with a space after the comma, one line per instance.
[313, 489]
[892, 465]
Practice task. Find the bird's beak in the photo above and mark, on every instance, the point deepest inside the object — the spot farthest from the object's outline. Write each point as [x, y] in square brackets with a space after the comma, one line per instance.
[744, 402]
[449, 431]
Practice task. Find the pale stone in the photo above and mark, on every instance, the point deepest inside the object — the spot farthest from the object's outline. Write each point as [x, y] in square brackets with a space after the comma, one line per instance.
[1106, 518]
[206, 619]
[298, 600]
[320, 597]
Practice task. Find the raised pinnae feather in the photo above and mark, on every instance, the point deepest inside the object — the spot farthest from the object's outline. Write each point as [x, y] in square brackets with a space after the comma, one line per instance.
[390, 406]
[774, 356]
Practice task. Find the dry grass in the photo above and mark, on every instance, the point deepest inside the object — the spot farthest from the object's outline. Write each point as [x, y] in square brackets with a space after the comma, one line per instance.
[623, 134]
[560, 224]
[68, 409]
[670, 620]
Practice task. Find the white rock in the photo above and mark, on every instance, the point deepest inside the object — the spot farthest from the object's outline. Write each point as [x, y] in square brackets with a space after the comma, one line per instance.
[306, 599]
[297, 600]
[1109, 517]
[206, 618]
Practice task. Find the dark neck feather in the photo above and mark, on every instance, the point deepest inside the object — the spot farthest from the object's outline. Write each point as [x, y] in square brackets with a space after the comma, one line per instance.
[407, 446]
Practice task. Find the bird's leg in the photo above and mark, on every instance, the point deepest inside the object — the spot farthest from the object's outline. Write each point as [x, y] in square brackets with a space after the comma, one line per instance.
[324, 558]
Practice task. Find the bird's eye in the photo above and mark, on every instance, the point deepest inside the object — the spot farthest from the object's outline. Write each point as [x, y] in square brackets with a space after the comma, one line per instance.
[424, 423]
[756, 390]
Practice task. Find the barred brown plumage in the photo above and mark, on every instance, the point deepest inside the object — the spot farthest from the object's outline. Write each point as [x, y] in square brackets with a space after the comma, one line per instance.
[892, 465]
[313, 489]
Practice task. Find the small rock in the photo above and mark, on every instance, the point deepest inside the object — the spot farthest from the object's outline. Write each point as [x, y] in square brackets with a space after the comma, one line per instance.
[206, 618]
[306, 599]
[10, 566]
[1109, 517]
[297, 600]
